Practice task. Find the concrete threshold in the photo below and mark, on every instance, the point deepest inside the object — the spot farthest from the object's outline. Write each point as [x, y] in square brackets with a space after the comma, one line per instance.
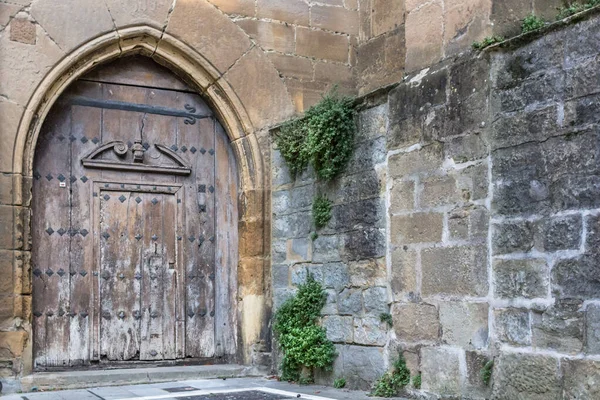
[78, 379]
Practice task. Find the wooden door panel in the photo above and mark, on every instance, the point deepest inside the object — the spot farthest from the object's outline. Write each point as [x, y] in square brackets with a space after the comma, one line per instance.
[145, 273]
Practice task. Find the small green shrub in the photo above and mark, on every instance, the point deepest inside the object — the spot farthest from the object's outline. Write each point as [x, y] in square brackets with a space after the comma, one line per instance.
[390, 384]
[314, 236]
[321, 211]
[304, 343]
[486, 372]
[386, 317]
[532, 23]
[417, 381]
[339, 383]
[488, 41]
[575, 7]
[324, 137]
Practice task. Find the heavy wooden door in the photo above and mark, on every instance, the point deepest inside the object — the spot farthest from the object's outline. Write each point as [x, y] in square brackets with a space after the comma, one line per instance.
[134, 224]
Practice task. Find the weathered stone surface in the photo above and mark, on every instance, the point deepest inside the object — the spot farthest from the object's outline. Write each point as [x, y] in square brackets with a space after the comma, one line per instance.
[464, 324]
[336, 19]
[460, 270]
[512, 237]
[350, 302]
[577, 277]
[300, 272]
[375, 300]
[424, 36]
[440, 369]
[299, 249]
[402, 196]
[7, 227]
[281, 277]
[292, 66]
[7, 271]
[153, 13]
[292, 226]
[357, 215]
[592, 329]
[592, 224]
[474, 385]
[417, 228]
[512, 326]
[281, 295]
[468, 223]
[403, 279]
[367, 273]
[363, 244]
[372, 123]
[339, 329]
[573, 192]
[340, 74]
[560, 327]
[361, 186]
[207, 30]
[583, 79]
[7, 11]
[526, 376]
[270, 35]
[580, 379]
[387, 15]
[320, 44]
[535, 89]
[416, 322]
[561, 233]
[12, 344]
[22, 30]
[439, 191]
[425, 159]
[514, 129]
[336, 275]
[367, 154]
[466, 148]
[381, 60]
[527, 278]
[292, 11]
[265, 97]
[362, 365]
[464, 23]
[326, 248]
[370, 331]
[237, 7]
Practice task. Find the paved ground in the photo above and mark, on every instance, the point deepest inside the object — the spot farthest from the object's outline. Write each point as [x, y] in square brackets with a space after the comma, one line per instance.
[213, 389]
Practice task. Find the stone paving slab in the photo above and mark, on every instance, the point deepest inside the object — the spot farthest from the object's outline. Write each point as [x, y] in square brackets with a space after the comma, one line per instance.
[203, 389]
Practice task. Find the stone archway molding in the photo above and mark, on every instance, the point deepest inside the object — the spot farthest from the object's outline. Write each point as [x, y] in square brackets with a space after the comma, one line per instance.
[199, 72]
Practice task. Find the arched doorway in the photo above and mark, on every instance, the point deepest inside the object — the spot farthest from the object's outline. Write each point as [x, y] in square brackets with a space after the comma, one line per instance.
[134, 224]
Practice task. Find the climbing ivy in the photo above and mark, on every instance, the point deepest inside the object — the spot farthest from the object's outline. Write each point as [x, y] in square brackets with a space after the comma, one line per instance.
[304, 343]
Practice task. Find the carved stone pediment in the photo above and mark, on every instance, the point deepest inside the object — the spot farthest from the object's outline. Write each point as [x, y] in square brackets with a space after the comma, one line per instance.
[118, 156]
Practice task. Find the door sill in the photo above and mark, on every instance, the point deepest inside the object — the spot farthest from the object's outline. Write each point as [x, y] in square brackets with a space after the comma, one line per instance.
[80, 379]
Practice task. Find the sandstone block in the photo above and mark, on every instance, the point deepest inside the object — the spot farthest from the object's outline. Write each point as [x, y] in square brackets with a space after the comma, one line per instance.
[439, 191]
[127, 13]
[440, 369]
[199, 24]
[424, 36]
[380, 61]
[521, 278]
[506, 16]
[466, 148]
[300, 272]
[416, 228]
[7, 283]
[336, 19]
[464, 324]
[292, 66]
[469, 223]
[580, 379]
[236, 7]
[339, 74]
[7, 227]
[426, 159]
[559, 328]
[370, 331]
[577, 277]
[339, 329]
[372, 123]
[321, 44]
[292, 11]
[403, 279]
[526, 376]
[512, 237]
[12, 344]
[367, 273]
[521, 127]
[299, 249]
[7, 11]
[270, 35]
[22, 30]
[592, 329]
[561, 233]
[387, 15]
[464, 23]
[416, 322]
[402, 196]
[460, 270]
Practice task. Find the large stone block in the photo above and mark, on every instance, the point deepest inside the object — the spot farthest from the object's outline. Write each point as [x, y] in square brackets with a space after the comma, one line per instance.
[560, 327]
[380, 61]
[521, 127]
[339, 329]
[460, 270]
[372, 123]
[563, 154]
[583, 79]
[322, 45]
[582, 111]
[522, 196]
[525, 376]
[580, 379]
[367, 273]
[370, 331]
[440, 369]
[575, 192]
[402, 196]
[350, 302]
[466, 148]
[592, 329]
[512, 237]
[296, 225]
[529, 278]
[439, 191]
[424, 36]
[465, 21]
[357, 215]
[7, 226]
[366, 156]
[362, 186]
[404, 274]
[464, 324]
[7, 272]
[577, 277]
[468, 223]
[292, 66]
[126, 13]
[336, 19]
[362, 365]
[336, 275]
[299, 250]
[581, 42]
[416, 322]
[560, 233]
[417, 228]
[237, 7]
[473, 182]
[535, 89]
[22, 30]
[292, 11]
[387, 15]
[270, 35]
[326, 248]
[12, 344]
[512, 326]
[364, 243]
[474, 385]
[280, 275]
[424, 159]
[375, 300]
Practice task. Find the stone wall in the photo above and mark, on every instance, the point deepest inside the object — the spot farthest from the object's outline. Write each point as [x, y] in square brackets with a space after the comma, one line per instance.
[488, 176]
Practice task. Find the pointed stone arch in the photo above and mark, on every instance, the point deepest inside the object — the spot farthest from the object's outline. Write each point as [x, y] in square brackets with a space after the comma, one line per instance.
[241, 122]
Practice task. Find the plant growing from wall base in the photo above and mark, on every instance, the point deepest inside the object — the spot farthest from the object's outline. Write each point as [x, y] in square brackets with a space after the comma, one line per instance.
[532, 23]
[574, 8]
[390, 384]
[339, 383]
[304, 343]
[417, 381]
